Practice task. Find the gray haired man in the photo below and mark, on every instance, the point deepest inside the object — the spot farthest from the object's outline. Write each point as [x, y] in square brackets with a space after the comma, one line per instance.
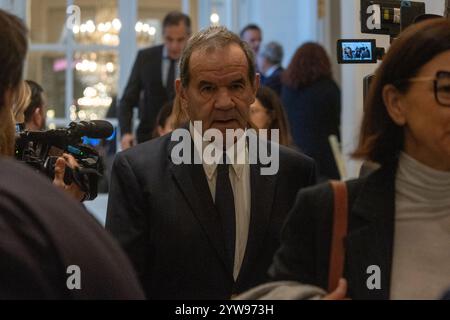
[269, 62]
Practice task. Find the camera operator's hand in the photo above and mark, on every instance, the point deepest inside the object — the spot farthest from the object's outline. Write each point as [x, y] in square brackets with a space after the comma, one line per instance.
[60, 168]
[127, 141]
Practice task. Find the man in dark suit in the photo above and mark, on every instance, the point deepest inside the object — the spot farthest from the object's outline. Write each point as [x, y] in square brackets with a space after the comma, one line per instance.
[253, 36]
[154, 73]
[269, 64]
[204, 231]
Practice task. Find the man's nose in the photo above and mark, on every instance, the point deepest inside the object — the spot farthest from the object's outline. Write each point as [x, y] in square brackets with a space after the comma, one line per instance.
[223, 99]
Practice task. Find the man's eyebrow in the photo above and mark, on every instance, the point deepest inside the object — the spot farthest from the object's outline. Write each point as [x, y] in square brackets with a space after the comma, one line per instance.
[240, 80]
[205, 83]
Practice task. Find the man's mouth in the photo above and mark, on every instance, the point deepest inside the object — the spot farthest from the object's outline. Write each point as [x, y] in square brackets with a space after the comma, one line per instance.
[224, 120]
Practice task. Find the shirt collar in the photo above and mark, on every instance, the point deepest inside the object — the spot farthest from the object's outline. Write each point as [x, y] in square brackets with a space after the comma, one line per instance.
[271, 70]
[238, 167]
[165, 53]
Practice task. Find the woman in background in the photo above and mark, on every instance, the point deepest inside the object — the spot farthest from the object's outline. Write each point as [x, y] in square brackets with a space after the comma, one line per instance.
[398, 240]
[164, 121]
[268, 113]
[313, 105]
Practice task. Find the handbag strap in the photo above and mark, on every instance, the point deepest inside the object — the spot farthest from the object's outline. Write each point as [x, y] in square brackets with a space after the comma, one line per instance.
[340, 225]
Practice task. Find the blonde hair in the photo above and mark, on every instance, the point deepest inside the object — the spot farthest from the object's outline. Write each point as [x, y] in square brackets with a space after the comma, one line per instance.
[22, 99]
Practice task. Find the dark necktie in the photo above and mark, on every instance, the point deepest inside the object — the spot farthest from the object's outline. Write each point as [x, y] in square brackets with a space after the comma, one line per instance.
[225, 207]
[171, 80]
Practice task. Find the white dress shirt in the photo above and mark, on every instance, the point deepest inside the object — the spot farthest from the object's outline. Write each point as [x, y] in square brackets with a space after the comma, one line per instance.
[240, 183]
[165, 65]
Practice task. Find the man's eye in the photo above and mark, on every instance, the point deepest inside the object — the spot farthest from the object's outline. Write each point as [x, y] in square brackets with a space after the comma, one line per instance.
[237, 86]
[445, 88]
[207, 89]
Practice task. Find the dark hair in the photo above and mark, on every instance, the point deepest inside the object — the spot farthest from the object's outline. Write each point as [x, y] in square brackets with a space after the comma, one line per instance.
[14, 45]
[162, 118]
[274, 107]
[309, 64]
[36, 99]
[214, 38]
[248, 27]
[174, 18]
[381, 139]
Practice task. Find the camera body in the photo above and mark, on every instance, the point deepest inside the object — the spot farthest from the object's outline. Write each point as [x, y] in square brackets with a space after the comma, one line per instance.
[354, 51]
[41, 149]
[389, 17]
[381, 17]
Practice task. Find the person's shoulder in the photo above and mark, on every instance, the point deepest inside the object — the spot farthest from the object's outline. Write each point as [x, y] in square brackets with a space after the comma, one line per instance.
[296, 165]
[147, 153]
[151, 51]
[279, 72]
[15, 174]
[327, 84]
[292, 156]
[323, 192]
[35, 195]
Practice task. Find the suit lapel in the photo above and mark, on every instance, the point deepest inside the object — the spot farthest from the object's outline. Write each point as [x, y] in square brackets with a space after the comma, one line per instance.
[191, 181]
[262, 196]
[372, 238]
[155, 70]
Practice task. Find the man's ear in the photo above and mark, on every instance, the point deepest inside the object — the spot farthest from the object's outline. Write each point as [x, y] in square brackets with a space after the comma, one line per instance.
[395, 105]
[37, 117]
[181, 93]
[256, 85]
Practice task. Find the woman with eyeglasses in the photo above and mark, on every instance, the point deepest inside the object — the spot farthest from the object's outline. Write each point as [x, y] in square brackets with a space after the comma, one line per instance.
[398, 233]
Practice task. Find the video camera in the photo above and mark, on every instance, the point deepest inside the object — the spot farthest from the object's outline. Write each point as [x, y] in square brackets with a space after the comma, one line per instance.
[41, 149]
[382, 17]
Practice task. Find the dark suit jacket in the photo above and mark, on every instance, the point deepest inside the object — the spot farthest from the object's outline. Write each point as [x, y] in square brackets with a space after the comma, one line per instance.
[314, 113]
[446, 296]
[145, 77]
[305, 251]
[43, 232]
[274, 81]
[164, 217]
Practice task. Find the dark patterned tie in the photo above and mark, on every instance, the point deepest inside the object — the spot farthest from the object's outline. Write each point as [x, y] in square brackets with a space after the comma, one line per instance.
[225, 207]
[171, 80]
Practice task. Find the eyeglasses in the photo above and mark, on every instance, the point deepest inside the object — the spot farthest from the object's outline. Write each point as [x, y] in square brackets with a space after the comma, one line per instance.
[441, 86]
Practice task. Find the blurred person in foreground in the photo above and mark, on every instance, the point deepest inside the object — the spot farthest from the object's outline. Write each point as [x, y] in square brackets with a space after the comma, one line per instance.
[50, 247]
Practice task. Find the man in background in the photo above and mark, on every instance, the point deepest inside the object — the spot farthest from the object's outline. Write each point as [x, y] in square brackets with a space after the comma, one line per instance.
[269, 64]
[35, 113]
[252, 34]
[154, 73]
